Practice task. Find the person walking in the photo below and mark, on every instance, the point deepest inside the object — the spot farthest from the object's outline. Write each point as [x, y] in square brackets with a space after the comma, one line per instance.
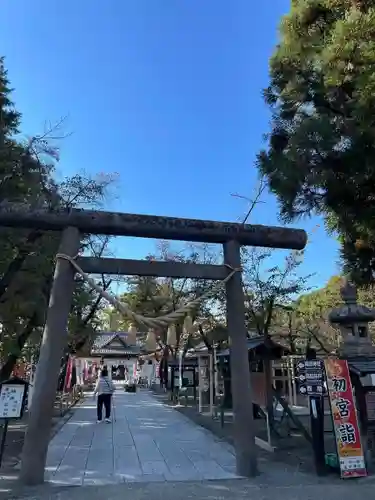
[104, 389]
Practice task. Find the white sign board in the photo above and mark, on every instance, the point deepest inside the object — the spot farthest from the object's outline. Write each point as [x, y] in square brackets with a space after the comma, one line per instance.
[11, 397]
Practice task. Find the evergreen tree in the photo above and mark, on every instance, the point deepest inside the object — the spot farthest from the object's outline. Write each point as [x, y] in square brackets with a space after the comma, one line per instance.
[321, 152]
[9, 117]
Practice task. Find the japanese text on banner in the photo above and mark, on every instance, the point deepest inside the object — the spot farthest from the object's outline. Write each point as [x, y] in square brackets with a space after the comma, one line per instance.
[345, 421]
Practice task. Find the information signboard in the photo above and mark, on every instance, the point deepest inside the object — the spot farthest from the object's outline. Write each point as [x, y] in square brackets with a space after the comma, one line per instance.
[345, 420]
[11, 400]
[310, 375]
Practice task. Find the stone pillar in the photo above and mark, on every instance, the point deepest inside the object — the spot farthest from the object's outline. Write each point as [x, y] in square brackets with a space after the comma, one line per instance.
[243, 427]
[38, 433]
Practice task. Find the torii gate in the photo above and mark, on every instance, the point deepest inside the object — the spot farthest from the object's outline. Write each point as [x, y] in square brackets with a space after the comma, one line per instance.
[75, 222]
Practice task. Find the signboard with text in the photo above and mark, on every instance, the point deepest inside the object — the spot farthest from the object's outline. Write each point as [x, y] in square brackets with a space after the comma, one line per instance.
[310, 375]
[11, 400]
[345, 420]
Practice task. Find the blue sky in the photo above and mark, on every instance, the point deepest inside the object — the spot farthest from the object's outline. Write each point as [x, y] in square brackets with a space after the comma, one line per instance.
[166, 93]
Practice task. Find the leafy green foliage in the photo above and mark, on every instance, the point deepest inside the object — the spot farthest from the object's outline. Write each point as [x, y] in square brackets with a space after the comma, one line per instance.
[311, 311]
[270, 290]
[321, 152]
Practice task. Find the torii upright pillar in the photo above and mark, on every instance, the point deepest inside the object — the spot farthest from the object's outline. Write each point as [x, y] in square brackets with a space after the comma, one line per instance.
[243, 425]
[38, 433]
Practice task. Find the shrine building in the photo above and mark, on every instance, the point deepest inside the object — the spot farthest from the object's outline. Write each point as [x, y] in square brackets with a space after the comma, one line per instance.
[119, 351]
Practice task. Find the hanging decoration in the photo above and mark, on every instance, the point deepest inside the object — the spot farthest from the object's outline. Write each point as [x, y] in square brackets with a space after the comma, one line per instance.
[188, 327]
[114, 321]
[171, 336]
[151, 344]
[132, 334]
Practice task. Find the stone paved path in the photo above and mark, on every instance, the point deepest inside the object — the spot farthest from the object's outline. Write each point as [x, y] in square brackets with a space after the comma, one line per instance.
[148, 442]
[153, 452]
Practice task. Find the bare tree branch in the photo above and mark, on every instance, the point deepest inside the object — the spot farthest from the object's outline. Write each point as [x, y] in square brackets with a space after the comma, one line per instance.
[255, 201]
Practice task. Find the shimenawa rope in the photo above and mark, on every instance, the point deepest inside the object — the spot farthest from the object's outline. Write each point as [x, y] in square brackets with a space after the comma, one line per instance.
[123, 308]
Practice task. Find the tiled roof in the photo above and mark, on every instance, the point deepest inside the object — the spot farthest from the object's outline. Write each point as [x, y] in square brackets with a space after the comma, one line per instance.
[104, 338]
[253, 343]
[362, 367]
[101, 344]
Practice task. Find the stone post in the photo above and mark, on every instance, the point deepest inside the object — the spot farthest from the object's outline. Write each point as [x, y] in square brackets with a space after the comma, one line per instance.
[243, 426]
[38, 433]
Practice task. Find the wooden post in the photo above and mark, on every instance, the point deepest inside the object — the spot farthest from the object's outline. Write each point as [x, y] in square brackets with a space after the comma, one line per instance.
[293, 378]
[38, 433]
[200, 406]
[243, 427]
[211, 380]
[216, 375]
[289, 382]
[267, 363]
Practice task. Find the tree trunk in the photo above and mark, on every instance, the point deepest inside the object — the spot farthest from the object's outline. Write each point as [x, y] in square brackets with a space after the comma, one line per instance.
[81, 342]
[292, 343]
[163, 369]
[62, 374]
[204, 338]
[8, 366]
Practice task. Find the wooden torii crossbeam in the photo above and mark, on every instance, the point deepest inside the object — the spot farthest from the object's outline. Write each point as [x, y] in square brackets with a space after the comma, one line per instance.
[73, 224]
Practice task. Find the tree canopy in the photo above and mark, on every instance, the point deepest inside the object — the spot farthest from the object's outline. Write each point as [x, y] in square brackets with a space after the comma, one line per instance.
[321, 150]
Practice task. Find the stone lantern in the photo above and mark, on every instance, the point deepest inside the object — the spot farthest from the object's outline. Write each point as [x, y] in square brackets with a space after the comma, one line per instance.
[353, 321]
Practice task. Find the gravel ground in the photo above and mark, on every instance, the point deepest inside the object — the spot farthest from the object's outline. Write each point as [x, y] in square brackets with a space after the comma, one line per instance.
[16, 436]
[209, 490]
[275, 482]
